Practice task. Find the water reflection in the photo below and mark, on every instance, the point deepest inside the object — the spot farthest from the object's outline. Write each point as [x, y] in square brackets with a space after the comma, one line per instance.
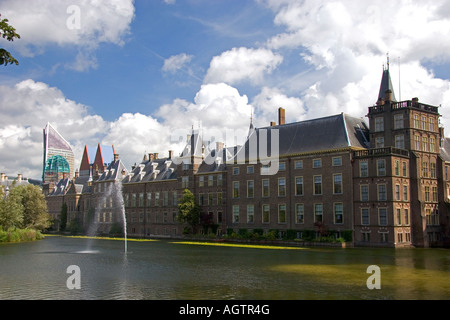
[163, 270]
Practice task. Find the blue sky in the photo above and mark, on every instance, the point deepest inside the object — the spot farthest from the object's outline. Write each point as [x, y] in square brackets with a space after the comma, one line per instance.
[137, 73]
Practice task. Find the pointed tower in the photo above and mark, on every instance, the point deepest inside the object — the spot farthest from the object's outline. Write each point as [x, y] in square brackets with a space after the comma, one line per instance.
[85, 168]
[98, 165]
[386, 92]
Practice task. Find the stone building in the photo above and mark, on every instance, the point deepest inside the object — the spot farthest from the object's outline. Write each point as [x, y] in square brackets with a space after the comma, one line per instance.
[382, 183]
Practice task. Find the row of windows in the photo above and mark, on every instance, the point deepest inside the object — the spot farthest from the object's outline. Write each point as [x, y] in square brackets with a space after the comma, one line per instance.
[381, 168]
[383, 237]
[400, 193]
[298, 164]
[338, 213]
[210, 180]
[401, 217]
[422, 123]
[282, 188]
[134, 200]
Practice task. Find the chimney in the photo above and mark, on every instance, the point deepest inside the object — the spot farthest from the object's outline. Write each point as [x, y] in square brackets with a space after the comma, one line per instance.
[219, 146]
[273, 123]
[3, 177]
[281, 116]
[116, 157]
[77, 174]
[150, 157]
[156, 155]
[170, 154]
[441, 136]
[19, 177]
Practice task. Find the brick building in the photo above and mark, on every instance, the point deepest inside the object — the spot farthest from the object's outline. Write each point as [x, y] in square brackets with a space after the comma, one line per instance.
[385, 183]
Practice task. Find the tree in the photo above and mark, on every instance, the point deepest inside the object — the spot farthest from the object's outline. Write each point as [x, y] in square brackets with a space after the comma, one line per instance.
[35, 212]
[9, 33]
[11, 211]
[188, 209]
[63, 217]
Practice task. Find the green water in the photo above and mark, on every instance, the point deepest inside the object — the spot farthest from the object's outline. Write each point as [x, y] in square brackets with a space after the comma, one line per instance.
[165, 270]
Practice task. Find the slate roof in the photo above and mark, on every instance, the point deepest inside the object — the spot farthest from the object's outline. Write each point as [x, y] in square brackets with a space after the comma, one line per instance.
[386, 84]
[445, 150]
[152, 170]
[116, 170]
[328, 133]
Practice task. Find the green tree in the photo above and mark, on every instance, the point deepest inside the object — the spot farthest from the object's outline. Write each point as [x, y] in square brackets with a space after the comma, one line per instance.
[11, 211]
[9, 33]
[35, 212]
[189, 210]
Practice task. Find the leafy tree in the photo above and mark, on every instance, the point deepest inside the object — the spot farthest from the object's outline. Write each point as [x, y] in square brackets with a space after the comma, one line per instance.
[35, 212]
[189, 210]
[9, 33]
[11, 211]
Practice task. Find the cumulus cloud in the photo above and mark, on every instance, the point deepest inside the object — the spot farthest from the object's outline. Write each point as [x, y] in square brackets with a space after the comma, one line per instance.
[242, 64]
[84, 24]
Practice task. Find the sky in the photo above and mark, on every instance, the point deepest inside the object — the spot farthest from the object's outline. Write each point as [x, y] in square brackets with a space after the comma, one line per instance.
[141, 74]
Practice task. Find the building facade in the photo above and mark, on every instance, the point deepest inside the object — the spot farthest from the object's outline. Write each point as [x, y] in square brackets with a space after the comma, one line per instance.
[385, 183]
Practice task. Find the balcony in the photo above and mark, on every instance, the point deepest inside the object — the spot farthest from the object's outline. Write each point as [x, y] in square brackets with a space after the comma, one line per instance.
[411, 104]
[381, 152]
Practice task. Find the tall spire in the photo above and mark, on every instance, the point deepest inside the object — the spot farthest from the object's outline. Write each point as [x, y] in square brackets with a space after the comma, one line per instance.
[386, 84]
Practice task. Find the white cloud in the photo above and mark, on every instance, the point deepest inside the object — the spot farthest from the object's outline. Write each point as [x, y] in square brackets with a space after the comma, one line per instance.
[177, 62]
[84, 24]
[242, 64]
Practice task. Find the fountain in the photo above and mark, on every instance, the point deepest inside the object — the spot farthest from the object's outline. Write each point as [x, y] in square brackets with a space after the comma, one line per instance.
[119, 200]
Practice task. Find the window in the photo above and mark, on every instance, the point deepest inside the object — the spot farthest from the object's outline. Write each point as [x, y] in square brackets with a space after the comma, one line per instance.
[299, 164]
[281, 187]
[337, 161]
[432, 145]
[398, 121]
[317, 185]
[431, 124]
[416, 121]
[424, 144]
[405, 168]
[383, 237]
[201, 199]
[399, 217]
[157, 199]
[174, 198]
[133, 200]
[382, 216]
[219, 198]
[201, 181]
[405, 193]
[318, 212]
[250, 213]
[149, 199]
[235, 214]
[382, 192]
[235, 171]
[400, 141]
[337, 183]
[406, 217]
[424, 123]
[235, 189]
[425, 169]
[219, 180]
[282, 166]
[250, 189]
[317, 163]
[379, 142]
[417, 143]
[433, 170]
[338, 213]
[427, 193]
[300, 213]
[219, 216]
[298, 186]
[363, 169]
[210, 199]
[210, 180]
[397, 167]
[165, 198]
[364, 192]
[397, 192]
[282, 213]
[266, 213]
[185, 182]
[365, 217]
[381, 167]
[250, 169]
[435, 194]
[141, 200]
[379, 124]
[265, 188]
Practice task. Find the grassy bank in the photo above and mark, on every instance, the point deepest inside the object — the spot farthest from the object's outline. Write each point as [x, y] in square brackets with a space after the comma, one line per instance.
[20, 235]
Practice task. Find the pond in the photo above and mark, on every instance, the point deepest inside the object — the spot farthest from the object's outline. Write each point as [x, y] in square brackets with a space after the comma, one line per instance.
[170, 270]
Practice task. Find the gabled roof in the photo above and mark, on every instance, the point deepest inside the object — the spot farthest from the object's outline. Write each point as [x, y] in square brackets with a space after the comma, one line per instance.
[116, 170]
[85, 167]
[445, 149]
[193, 146]
[317, 135]
[152, 170]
